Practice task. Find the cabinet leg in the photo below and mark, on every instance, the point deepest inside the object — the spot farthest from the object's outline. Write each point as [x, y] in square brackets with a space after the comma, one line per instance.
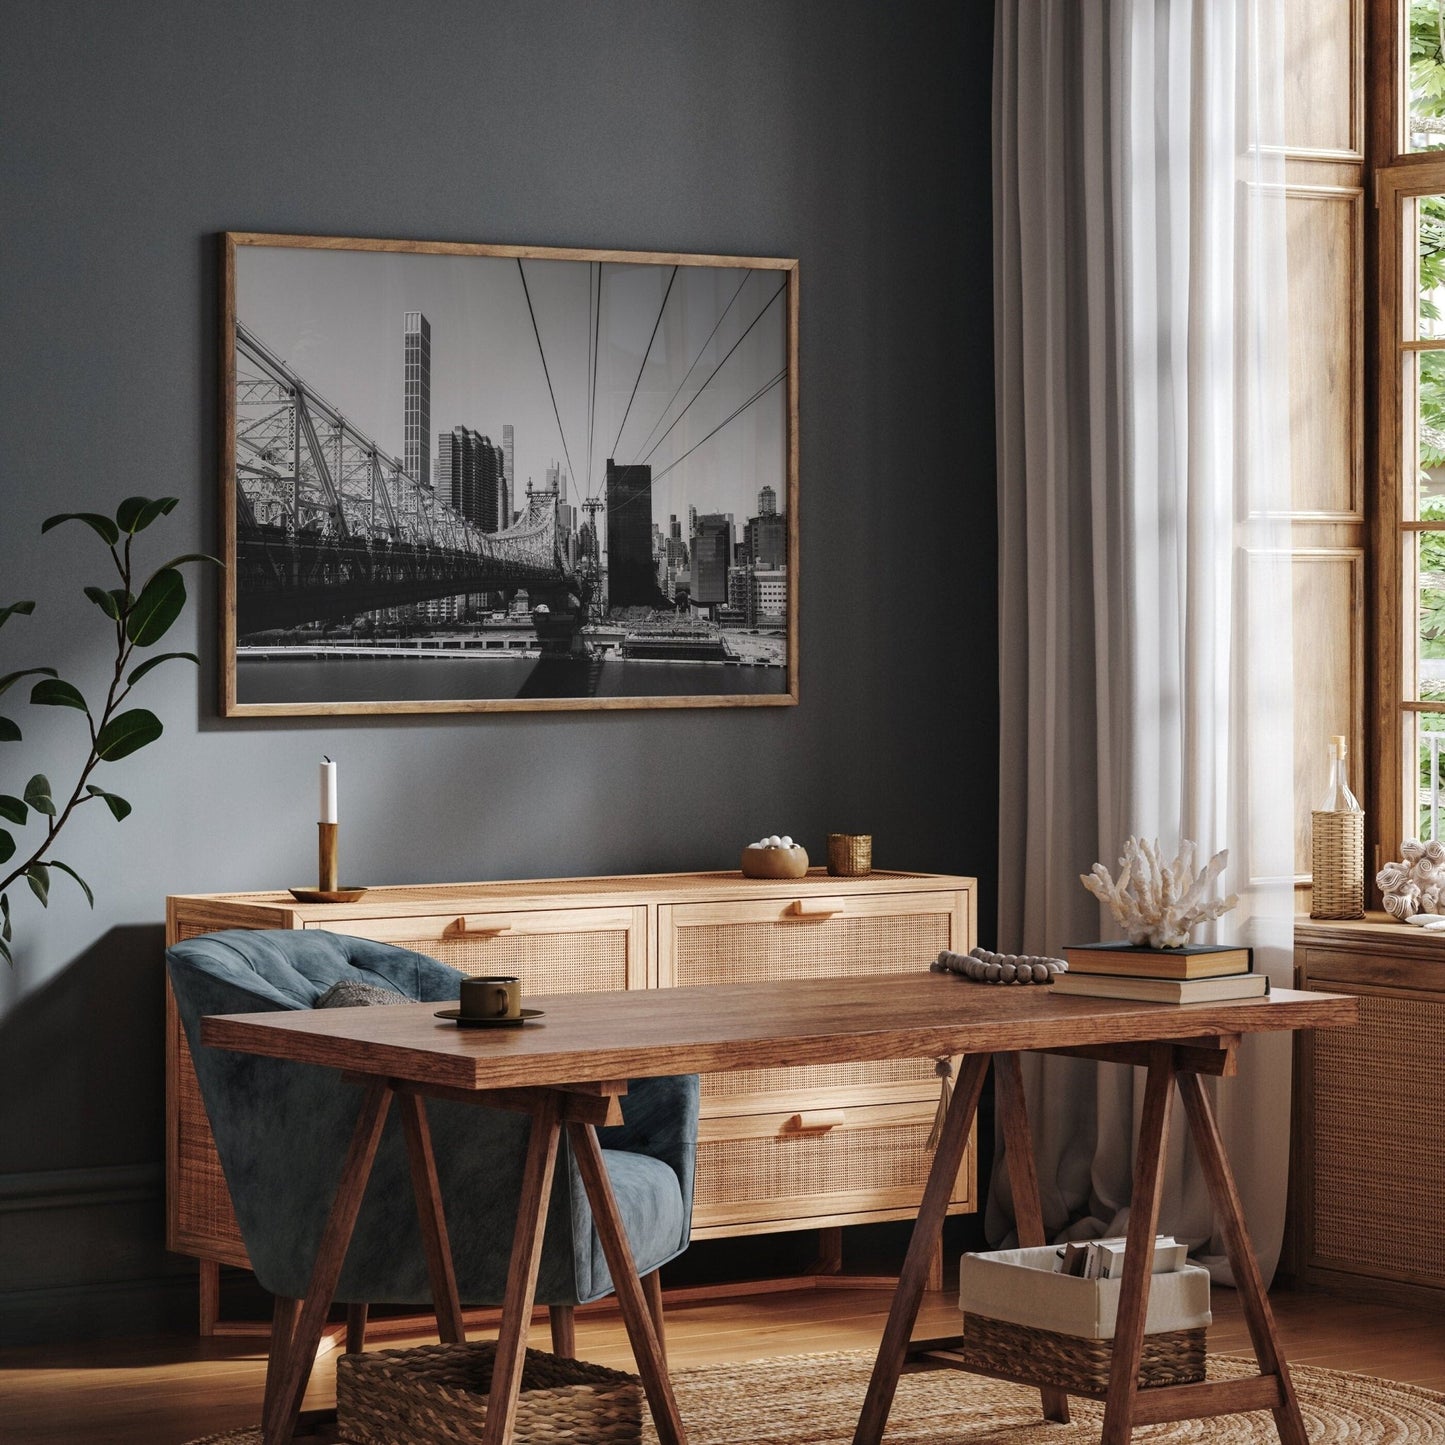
[830, 1252]
[209, 1297]
[935, 1266]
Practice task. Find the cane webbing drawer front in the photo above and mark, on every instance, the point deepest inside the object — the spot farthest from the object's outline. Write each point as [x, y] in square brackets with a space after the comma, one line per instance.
[793, 1171]
[552, 951]
[769, 939]
[1376, 1139]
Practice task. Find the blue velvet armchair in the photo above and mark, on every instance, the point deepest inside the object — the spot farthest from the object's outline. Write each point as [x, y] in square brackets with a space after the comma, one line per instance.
[282, 1129]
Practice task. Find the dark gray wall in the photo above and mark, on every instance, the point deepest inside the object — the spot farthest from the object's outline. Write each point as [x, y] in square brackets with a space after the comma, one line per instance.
[852, 135]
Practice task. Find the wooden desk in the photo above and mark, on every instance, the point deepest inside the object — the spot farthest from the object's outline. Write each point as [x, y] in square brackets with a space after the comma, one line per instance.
[568, 1073]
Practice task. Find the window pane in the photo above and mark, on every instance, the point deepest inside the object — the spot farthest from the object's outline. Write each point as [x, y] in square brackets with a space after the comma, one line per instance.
[1430, 615]
[1430, 758]
[1430, 266]
[1429, 444]
[1425, 120]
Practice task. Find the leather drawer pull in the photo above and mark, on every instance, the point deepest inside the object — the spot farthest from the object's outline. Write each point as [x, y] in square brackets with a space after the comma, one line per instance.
[816, 907]
[816, 1120]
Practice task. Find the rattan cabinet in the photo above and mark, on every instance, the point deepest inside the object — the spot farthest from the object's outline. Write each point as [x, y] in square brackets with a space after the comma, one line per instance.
[780, 1148]
[1369, 1166]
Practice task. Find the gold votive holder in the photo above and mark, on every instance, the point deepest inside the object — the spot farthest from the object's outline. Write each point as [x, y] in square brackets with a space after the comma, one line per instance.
[850, 855]
[326, 876]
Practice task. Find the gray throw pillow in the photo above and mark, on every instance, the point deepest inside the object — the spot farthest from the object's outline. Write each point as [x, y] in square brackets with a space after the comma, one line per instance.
[349, 994]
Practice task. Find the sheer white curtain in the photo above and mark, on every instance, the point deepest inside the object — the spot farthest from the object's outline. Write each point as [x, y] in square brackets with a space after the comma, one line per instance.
[1143, 489]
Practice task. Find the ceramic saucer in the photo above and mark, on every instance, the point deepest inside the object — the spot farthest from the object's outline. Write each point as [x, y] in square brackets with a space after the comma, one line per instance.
[455, 1014]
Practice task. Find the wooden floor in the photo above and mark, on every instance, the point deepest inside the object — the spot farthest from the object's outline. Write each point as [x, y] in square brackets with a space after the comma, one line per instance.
[163, 1391]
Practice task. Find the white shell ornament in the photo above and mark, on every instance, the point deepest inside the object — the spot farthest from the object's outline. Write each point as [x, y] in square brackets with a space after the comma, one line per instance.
[1412, 888]
[1155, 902]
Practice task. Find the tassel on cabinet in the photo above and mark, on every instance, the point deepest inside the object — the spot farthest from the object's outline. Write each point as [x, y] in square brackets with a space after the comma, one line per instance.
[944, 1069]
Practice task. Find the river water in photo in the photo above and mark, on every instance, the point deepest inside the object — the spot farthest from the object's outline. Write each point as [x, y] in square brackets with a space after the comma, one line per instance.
[390, 679]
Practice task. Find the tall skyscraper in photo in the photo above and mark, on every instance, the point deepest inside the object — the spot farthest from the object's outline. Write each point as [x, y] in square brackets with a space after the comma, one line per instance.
[416, 397]
[767, 502]
[712, 555]
[509, 477]
[469, 476]
[632, 582]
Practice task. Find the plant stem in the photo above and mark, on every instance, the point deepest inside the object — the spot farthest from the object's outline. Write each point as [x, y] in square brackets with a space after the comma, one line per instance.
[113, 698]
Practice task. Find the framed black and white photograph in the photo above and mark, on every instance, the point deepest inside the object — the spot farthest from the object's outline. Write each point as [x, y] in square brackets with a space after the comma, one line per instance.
[466, 478]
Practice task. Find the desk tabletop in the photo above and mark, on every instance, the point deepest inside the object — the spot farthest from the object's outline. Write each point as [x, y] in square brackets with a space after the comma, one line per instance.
[587, 1037]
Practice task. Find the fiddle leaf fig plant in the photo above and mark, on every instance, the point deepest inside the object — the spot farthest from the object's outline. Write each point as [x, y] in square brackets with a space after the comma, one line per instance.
[138, 615]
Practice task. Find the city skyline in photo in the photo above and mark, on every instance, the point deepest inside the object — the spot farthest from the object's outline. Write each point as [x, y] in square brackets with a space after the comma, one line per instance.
[705, 412]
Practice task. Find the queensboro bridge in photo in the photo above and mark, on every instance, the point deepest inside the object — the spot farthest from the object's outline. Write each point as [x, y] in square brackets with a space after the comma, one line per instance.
[631, 574]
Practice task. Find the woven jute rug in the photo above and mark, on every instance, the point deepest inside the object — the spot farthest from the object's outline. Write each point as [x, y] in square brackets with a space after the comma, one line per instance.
[815, 1399]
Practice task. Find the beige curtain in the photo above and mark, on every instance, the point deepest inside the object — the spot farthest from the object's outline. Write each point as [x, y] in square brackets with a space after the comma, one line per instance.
[1143, 483]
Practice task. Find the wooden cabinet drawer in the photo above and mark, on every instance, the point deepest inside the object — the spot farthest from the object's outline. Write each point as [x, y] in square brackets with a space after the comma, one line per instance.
[808, 933]
[563, 950]
[816, 1167]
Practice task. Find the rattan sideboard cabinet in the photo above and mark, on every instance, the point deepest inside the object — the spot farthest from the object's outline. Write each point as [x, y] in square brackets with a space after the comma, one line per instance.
[778, 1149]
[1369, 1164]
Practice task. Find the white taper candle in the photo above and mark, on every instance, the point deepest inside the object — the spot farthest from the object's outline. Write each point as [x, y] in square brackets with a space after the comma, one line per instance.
[328, 791]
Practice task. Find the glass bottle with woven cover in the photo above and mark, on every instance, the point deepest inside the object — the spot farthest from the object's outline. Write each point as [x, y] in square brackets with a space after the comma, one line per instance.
[1337, 846]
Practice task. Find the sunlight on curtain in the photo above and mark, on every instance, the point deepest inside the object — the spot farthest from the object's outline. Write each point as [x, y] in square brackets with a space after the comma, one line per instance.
[1143, 420]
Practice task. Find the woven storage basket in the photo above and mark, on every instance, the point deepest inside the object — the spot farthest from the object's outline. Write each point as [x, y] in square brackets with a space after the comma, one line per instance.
[437, 1395]
[1337, 857]
[1082, 1366]
[1024, 1321]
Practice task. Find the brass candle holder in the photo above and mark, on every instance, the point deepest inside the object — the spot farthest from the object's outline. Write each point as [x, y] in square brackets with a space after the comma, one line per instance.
[326, 876]
[328, 889]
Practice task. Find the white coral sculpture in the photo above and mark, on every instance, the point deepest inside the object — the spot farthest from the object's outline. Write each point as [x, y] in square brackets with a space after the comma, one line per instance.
[1155, 902]
[1416, 885]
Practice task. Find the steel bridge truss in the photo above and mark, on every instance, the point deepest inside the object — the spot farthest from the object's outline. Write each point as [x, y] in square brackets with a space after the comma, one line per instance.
[326, 519]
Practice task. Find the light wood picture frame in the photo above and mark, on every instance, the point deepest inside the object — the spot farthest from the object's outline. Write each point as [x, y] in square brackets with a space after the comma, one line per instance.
[477, 478]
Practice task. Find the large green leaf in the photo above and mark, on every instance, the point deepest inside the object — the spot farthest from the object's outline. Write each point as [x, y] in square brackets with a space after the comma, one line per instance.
[118, 806]
[9, 732]
[37, 794]
[127, 733]
[103, 527]
[7, 931]
[56, 692]
[135, 514]
[156, 661]
[38, 877]
[14, 677]
[158, 605]
[181, 560]
[15, 608]
[109, 602]
[7, 846]
[84, 886]
[12, 809]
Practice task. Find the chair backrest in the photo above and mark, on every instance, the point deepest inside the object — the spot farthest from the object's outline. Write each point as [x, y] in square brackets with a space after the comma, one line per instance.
[292, 968]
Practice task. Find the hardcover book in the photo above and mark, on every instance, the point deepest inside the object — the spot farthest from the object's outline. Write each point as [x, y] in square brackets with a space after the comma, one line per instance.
[1162, 990]
[1197, 960]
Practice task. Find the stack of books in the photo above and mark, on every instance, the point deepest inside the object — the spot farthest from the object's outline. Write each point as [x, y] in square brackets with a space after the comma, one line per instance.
[1104, 1258]
[1196, 973]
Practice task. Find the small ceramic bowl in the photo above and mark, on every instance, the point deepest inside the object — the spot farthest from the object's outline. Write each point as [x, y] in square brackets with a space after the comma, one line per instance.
[775, 862]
